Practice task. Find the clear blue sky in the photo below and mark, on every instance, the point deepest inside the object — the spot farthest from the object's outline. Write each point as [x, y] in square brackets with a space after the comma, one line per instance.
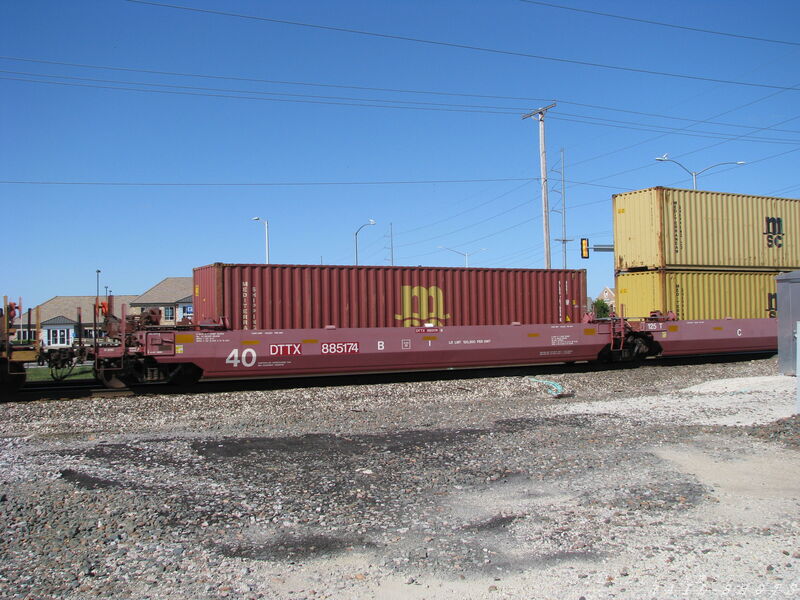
[64, 123]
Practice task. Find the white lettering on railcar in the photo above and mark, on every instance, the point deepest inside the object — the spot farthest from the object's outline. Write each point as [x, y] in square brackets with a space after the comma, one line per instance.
[562, 340]
[285, 349]
[247, 358]
[339, 348]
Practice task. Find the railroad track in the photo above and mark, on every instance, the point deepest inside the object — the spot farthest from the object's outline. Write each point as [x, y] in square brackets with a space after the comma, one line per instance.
[92, 389]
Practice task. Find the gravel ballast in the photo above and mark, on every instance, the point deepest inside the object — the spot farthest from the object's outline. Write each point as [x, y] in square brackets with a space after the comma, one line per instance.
[661, 481]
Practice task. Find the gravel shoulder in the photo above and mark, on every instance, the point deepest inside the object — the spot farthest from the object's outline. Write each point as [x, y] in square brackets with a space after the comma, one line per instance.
[662, 481]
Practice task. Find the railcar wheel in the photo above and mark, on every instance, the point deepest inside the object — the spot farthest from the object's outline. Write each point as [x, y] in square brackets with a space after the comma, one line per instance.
[186, 374]
[110, 379]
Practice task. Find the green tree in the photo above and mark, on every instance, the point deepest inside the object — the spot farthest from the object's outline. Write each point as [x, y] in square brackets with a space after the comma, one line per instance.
[600, 308]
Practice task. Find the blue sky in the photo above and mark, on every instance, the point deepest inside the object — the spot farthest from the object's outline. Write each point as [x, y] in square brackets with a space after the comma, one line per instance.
[276, 116]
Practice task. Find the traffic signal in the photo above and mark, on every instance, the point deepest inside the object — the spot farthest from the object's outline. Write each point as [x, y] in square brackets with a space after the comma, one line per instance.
[584, 247]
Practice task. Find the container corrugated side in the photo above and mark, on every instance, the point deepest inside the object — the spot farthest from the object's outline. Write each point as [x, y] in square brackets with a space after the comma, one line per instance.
[665, 228]
[317, 296]
[698, 295]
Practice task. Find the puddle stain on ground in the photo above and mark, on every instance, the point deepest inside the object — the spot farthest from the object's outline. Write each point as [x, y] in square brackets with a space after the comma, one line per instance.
[316, 443]
[293, 547]
[87, 482]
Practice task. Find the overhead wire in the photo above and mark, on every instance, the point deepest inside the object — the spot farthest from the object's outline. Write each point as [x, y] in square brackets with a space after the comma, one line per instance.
[371, 100]
[454, 45]
[363, 88]
[661, 24]
[369, 103]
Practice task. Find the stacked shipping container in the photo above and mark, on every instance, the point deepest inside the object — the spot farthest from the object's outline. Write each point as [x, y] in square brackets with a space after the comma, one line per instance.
[702, 255]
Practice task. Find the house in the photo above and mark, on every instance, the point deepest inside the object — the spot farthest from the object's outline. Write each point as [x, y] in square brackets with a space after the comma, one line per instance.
[59, 319]
[173, 296]
[609, 297]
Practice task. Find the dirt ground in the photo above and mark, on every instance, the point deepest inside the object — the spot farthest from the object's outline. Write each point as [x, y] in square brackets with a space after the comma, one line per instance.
[663, 481]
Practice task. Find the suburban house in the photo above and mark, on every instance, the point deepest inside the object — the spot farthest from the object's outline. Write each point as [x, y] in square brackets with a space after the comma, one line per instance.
[59, 319]
[609, 297]
[173, 296]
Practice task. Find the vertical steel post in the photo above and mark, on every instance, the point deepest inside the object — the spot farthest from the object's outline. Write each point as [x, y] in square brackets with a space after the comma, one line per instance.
[563, 214]
[797, 367]
[545, 203]
[539, 112]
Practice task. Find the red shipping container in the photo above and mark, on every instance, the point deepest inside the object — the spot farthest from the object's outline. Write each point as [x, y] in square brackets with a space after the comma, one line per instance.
[319, 296]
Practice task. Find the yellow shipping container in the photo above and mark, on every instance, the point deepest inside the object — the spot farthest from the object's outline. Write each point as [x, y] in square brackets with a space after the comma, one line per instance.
[665, 228]
[698, 295]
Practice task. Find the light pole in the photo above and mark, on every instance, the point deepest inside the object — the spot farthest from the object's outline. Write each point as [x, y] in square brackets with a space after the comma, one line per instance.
[466, 255]
[355, 235]
[98, 283]
[266, 236]
[694, 174]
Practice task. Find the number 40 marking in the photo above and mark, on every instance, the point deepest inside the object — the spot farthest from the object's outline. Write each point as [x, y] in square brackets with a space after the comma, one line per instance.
[248, 357]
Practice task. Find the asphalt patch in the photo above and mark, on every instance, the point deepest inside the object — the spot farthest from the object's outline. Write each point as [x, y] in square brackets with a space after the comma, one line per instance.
[87, 482]
[492, 524]
[287, 547]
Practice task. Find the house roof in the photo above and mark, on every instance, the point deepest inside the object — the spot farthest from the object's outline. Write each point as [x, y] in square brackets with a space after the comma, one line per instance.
[611, 291]
[169, 291]
[63, 310]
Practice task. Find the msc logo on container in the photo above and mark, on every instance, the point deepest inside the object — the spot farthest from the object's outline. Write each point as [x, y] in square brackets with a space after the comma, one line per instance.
[429, 305]
[773, 230]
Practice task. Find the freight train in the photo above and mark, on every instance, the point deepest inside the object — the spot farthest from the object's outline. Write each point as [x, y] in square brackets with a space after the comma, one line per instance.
[268, 321]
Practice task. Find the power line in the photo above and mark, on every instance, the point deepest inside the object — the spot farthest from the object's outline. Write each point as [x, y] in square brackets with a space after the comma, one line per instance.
[257, 184]
[353, 87]
[455, 45]
[660, 24]
[463, 212]
[283, 183]
[235, 91]
[181, 90]
[526, 202]
[673, 130]
[365, 104]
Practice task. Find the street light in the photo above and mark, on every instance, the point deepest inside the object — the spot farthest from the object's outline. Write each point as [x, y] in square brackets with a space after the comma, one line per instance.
[355, 235]
[466, 255]
[694, 174]
[266, 236]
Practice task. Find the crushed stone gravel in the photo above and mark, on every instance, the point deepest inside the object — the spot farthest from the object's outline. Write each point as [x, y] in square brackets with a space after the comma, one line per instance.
[666, 480]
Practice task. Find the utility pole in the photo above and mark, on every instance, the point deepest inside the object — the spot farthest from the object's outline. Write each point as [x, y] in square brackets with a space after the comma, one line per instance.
[539, 112]
[563, 212]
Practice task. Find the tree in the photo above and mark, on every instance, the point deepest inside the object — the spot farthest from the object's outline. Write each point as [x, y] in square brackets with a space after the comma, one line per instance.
[601, 309]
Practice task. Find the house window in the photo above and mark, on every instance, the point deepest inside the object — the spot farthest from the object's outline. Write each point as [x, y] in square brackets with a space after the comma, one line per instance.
[169, 313]
[57, 336]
